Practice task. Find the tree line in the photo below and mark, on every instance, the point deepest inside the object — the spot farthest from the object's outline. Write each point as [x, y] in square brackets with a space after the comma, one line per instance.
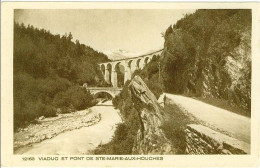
[49, 71]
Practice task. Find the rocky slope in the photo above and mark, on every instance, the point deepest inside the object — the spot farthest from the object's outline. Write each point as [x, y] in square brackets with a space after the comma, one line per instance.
[150, 138]
[141, 131]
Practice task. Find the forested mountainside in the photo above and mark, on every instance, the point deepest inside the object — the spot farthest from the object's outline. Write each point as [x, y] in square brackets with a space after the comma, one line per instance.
[208, 54]
[48, 72]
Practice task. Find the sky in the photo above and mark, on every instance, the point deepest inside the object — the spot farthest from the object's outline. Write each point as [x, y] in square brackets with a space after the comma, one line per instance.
[106, 30]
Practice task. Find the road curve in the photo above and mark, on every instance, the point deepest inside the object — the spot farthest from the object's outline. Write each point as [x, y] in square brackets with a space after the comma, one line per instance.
[237, 126]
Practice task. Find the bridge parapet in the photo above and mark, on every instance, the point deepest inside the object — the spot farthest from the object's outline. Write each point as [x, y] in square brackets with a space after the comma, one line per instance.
[110, 90]
[134, 58]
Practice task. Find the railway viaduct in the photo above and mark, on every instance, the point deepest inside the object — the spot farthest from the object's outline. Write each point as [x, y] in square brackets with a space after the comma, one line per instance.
[109, 69]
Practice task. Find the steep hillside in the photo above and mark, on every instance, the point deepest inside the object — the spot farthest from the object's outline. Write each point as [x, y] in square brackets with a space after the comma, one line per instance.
[48, 72]
[206, 54]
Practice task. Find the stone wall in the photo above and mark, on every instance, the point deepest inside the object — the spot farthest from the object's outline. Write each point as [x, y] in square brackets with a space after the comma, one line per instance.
[203, 140]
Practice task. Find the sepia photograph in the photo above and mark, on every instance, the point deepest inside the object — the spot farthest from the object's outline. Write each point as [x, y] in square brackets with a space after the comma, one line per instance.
[127, 81]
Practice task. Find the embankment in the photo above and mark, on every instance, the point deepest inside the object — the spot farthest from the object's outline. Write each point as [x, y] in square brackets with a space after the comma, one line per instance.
[203, 140]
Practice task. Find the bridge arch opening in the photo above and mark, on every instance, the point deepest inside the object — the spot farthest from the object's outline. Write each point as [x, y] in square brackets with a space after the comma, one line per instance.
[109, 72]
[138, 63]
[103, 68]
[132, 65]
[120, 73]
[146, 60]
[154, 57]
[102, 95]
[129, 64]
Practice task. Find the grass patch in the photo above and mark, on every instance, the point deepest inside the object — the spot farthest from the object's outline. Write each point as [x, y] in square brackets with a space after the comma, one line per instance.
[175, 125]
[121, 144]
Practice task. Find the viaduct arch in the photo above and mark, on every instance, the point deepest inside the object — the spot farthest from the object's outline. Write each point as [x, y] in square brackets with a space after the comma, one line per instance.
[109, 71]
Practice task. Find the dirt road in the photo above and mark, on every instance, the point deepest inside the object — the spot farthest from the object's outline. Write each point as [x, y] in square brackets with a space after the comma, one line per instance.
[235, 125]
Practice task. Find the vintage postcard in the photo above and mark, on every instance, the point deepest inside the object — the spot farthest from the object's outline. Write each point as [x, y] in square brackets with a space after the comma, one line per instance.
[130, 84]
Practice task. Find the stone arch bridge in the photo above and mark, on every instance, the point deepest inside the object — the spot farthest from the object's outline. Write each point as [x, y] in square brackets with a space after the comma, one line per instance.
[110, 90]
[108, 69]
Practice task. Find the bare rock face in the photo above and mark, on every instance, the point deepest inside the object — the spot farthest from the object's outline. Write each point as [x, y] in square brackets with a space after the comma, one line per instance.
[150, 138]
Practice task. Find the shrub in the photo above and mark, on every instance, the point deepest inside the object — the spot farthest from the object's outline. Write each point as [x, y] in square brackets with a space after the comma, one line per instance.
[49, 111]
[75, 97]
[26, 112]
